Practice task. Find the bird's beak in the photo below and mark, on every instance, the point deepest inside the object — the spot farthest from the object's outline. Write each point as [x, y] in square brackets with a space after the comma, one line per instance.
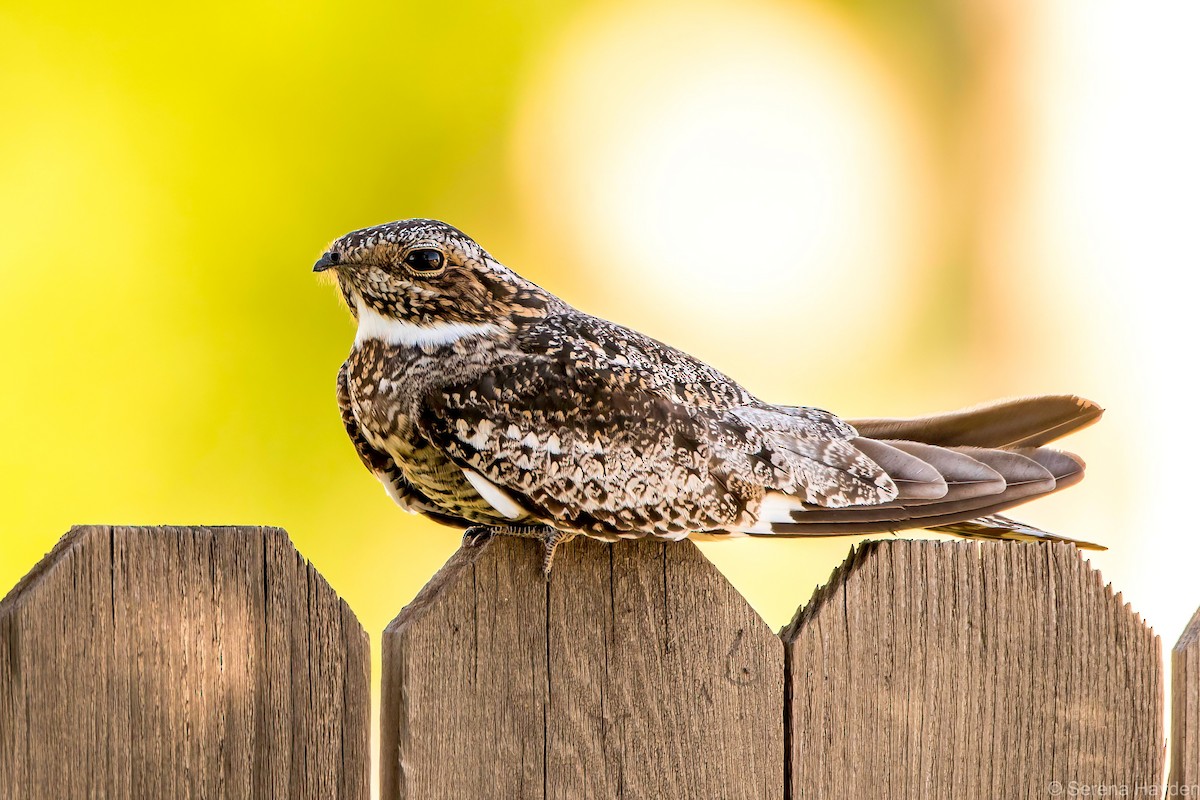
[324, 262]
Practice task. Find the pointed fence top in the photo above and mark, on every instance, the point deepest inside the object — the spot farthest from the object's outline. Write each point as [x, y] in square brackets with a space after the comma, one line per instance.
[181, 662]
[636, 671]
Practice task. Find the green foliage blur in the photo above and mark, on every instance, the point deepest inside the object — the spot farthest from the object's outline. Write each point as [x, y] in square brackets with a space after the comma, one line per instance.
[169, 175]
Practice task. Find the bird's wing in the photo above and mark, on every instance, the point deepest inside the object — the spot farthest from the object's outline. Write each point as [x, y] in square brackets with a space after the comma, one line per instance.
[953, 472]
[581, 448]
[1019, 422]
[381, 464]
[599, 437]
[938, 487]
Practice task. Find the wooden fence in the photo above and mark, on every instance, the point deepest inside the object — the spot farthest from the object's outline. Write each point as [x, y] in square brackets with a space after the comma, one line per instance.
[215, 662]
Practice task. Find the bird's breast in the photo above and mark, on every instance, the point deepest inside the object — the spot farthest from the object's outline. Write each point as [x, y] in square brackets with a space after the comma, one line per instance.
[387, 383]
[384, 390]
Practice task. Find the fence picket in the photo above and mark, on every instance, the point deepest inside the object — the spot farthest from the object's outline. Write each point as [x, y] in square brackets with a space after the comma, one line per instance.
[960, 669]
[180, 662]
[638, 671]
[1185, 707]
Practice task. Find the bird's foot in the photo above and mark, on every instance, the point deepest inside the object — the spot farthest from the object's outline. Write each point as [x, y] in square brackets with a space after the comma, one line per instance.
[476, 535]
[550, 538]
[551, 542]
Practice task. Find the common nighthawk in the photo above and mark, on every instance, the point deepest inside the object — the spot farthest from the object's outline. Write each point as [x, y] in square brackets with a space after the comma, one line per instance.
[483, 401]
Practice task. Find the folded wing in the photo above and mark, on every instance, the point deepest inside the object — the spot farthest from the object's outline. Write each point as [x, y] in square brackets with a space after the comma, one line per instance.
[988, 458]
[595, 447]
[1018, 422]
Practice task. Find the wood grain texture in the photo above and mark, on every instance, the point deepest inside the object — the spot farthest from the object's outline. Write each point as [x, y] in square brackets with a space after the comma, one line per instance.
[181, 662]
[637, 672]
[1185, 707]
[962, 669]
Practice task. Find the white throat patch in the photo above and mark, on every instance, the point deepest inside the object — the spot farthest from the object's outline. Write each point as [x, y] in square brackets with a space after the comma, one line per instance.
[373, 325]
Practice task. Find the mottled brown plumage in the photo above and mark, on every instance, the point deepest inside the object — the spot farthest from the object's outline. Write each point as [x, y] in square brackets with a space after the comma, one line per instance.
[478, 398]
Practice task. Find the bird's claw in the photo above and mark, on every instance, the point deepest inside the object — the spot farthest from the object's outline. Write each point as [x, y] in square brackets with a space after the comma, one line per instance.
[476, 535]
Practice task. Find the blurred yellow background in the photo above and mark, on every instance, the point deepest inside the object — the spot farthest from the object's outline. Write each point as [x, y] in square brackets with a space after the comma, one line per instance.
[878, 208]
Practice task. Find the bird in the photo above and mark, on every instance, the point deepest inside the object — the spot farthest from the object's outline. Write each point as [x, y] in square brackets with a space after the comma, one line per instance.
[484, 402]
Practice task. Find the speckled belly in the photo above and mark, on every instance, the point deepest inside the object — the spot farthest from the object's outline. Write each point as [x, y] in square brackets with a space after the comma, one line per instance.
[441, 480]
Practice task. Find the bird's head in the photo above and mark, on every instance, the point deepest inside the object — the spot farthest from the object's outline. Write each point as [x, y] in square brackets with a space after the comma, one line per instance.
[421, 272]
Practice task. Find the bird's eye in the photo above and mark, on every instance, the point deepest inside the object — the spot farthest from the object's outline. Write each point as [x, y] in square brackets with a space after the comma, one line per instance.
[425, 260]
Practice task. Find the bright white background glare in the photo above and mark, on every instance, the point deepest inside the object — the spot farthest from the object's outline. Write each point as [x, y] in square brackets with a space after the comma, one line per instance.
[735, 163]
[1102, 227]
[748, 181]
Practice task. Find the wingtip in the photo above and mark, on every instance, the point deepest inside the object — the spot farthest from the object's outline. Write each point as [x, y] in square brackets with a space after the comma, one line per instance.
[1087, 407]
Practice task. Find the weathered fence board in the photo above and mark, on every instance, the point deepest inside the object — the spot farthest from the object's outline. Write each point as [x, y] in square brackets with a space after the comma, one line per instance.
[1185, 707]
[938, 669]
[181, 662]
[637, 672]
[205, 662]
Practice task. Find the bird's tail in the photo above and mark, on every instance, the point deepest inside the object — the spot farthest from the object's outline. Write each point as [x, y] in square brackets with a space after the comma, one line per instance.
[954, 472]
